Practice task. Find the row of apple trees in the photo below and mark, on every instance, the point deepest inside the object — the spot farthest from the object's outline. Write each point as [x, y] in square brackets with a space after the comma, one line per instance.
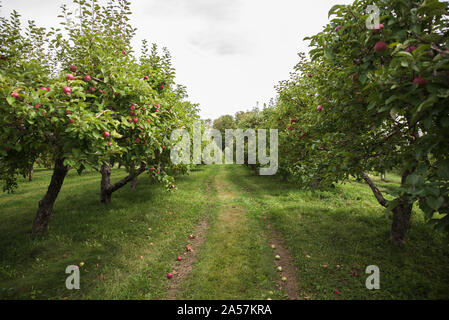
[372, 100]
[79, 98]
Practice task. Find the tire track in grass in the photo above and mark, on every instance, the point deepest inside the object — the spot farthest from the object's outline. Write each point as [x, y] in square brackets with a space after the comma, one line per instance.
[285, 261]
[235, 261]
[183, 268]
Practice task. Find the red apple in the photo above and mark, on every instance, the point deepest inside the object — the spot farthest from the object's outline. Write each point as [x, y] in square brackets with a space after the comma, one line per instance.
[378, 28]
[146, 78]
[137, 140]
[68, 112]
[110, 143]
[420, 81]
[70, 76]
[319, 108]
[310, 75]
[37, 106]
[162, 86]
[380, 46]
[106, 134]
[337, 28]
[87, 78]
[410, 49]
[135, 120]
[67, 90]
[169, 275]
[166, 233]
[124, 52]
[2, 57]
[73, 68]
[133, 107]
[132, 114]
[179, 258]
[158, 172]
[15, 95]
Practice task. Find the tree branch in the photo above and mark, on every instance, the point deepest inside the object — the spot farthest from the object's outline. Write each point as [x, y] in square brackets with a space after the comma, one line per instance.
[127, 179]
[382, 201]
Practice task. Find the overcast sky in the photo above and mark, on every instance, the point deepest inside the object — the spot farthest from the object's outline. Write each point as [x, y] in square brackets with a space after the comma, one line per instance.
[229, 53]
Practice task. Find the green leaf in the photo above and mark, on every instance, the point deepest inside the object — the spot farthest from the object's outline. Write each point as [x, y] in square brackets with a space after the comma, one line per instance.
[435, 203]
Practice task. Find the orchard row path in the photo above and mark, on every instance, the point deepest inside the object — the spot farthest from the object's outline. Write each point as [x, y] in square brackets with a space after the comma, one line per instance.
[232, 254]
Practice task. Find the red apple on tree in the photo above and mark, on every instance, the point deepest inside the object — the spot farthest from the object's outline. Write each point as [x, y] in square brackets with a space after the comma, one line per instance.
[380, 46]
[378, 28]
[87, 78]
[15, 95]
[320, 108]
[73, 68]
[106, 134]
[420, 81]
[67, 90]
[70, 76]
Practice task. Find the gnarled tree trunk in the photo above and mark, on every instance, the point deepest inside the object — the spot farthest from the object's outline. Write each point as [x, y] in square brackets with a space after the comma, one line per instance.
[401, 216]
[30, 174]
[107, 188]
[133, 183]
[105, 194]
[45, 208]
[401, 213]
[401, 219]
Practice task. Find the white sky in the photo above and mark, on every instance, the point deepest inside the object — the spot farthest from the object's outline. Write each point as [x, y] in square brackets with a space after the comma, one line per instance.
[229, 53]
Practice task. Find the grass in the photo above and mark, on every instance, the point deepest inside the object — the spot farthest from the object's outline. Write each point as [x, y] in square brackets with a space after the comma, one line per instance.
[109, 240]
[332, 235]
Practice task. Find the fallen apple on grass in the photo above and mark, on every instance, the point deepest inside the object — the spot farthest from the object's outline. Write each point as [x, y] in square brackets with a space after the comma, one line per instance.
[279, 269]
[169, 275]
[277, 257]
[284, 279]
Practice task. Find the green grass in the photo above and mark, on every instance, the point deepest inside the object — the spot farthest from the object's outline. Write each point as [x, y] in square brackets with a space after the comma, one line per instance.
[82, 230]
[344, 226]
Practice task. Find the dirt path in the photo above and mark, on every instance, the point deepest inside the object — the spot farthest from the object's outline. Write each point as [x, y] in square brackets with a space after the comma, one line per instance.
[235, 261]
[286, 263]
[184, 267]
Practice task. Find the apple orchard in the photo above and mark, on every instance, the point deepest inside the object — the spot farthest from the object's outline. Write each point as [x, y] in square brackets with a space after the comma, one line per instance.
[367, 100]
[78, 98]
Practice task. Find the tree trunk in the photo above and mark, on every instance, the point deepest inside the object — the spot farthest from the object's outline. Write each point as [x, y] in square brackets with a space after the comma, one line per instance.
[45, 207]
[401, 220]
[401, 216]
[105, 193]
[133, 183]
[30, 175]
[107, 188]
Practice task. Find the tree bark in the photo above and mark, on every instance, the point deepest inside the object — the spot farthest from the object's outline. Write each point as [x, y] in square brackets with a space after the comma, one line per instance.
[379, 197]
[401, 219]
[133, 183]
[105, 194]
[401, 216]
[30, 175]
[45, 207]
